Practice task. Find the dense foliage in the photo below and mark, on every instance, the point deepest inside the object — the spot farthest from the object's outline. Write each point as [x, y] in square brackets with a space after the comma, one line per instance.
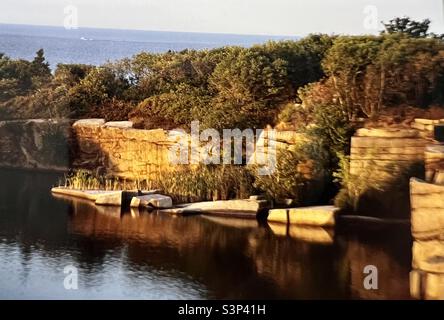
[238, 87]
[226, 87]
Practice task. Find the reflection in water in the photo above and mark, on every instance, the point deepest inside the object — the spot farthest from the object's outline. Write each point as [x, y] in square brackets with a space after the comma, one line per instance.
[309, 234]
[138, 254]
[390, 259]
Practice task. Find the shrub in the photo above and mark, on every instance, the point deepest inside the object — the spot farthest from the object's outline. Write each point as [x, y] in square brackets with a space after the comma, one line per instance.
[296, 176]
[375, 190]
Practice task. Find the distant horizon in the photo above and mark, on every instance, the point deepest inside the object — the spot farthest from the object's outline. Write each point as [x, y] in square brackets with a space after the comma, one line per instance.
[234, 17]
[152, 30]
[97, 46]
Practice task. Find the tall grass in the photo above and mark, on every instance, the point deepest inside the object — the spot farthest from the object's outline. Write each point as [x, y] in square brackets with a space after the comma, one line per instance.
[208, 183]
[183, 185]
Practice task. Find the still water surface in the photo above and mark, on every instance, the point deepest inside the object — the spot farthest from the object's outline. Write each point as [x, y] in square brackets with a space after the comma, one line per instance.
[140, 255]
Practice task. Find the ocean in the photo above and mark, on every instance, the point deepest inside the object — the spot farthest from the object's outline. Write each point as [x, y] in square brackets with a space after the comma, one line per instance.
[97, 46]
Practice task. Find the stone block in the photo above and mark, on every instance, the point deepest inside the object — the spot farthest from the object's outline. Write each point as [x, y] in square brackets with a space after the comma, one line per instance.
[420, 187]
[426, 285]
[112, 198]
[387, 133]
[427, 215]
[422, 127]
[231, 207]
[278, 215]
[438, 177]
[89, 123]
[100, 197]
[321, 216]
[152, 200]
[428, 223]
[119, 124]
[426, 121]
[378, 142]
[428, 256]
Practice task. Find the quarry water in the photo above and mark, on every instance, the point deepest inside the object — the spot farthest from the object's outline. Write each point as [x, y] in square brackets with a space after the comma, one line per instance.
[141, 255]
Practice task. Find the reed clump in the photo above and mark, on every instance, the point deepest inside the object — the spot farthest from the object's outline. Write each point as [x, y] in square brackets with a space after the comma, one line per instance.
[202, 183]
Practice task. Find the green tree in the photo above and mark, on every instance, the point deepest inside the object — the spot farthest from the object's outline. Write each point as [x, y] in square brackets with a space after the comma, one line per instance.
[99, 86]
[173, 109]
[71, 74]
[408, 26]
[39, 65]
[247, 75]
[15, 77]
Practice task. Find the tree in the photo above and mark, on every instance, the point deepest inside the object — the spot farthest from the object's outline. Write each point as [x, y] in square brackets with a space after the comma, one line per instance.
[303, 58]
[247, 75]
[97, 87]
[406, 25]
[39, 65]
[40, 71]
[71, 74]
[349, 63]
[15, 77]
[173, 109]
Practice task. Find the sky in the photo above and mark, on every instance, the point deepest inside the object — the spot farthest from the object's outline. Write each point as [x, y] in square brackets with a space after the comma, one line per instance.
[269, 17]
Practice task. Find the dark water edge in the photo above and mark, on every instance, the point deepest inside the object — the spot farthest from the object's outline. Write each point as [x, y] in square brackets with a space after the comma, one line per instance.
[141, 255]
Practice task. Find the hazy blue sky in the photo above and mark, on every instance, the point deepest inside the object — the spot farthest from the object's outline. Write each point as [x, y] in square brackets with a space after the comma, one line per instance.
[277, 17]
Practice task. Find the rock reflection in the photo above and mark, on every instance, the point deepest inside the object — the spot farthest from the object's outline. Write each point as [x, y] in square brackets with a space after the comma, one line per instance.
[262, 260]
[303, 233]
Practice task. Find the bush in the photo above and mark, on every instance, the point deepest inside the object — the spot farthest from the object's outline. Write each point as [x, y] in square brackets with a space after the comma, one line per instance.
[171, 110]
[377, 191]
[111, 110]
[296, 176]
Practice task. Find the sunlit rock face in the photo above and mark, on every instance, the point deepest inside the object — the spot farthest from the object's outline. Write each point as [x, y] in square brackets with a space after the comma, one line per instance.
[315, 216]
[108, 147]
[386, 159]
[35, 144]
[426, 285]
[114, 148]
[120, 150]
[427, 276]
[427, 202]
[429, 256]
[434, 163]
